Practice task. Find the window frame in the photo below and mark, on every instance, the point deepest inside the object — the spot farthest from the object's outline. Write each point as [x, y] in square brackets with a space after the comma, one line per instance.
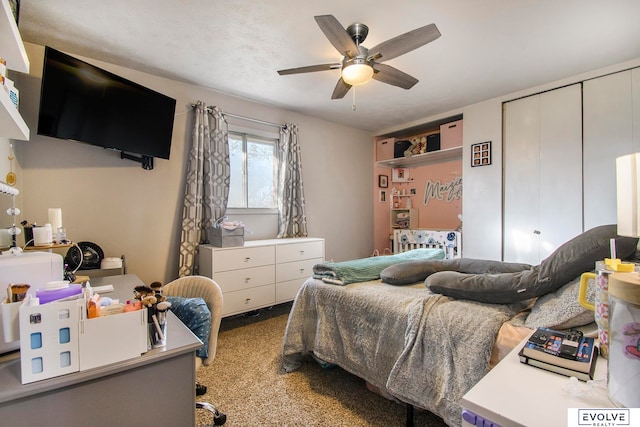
[258, 134]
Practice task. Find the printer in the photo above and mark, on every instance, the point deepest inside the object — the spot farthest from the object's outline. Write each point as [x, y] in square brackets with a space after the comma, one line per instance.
[34, 268]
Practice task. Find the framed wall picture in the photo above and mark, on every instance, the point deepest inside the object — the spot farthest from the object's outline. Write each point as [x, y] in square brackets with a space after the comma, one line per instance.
[481, 154]
[382, 198]
[400, 175]
[383, 181]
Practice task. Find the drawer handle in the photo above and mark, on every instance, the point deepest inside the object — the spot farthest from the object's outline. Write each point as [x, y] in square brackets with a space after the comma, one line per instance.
[302, 270]
[247, 279]
[536, 231]
[247, 259]
[247, 300]
[302, 252]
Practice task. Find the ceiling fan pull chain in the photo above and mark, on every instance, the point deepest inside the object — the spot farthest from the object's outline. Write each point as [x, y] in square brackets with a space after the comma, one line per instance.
[353, 104]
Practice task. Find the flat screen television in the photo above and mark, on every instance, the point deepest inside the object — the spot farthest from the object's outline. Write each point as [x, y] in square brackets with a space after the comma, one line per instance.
[84, 103]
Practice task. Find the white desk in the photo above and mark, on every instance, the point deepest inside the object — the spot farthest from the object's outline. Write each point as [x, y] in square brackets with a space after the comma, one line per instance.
[515, 394]
[157, 388]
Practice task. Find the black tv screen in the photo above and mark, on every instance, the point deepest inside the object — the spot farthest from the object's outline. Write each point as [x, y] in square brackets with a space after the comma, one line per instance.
[84, 103]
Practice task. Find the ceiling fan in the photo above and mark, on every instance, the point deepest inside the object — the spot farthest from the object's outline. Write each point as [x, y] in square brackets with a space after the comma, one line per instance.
[360, 64]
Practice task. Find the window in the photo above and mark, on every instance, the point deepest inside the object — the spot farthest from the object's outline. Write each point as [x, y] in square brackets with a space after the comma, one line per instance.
[253, 171]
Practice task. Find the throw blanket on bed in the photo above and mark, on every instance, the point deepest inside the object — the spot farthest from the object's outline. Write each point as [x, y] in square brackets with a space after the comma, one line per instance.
[420, 347]
[449, 353]
[365, 269]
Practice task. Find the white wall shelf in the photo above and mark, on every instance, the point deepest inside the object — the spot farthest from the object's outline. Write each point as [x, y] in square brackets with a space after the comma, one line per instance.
[423, 159]
[11, 46]
[12, 49]
[12, 124]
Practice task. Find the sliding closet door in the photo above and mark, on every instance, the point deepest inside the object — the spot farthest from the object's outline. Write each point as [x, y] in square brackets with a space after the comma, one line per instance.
[608, 134]
[542, 173]
[521, 160]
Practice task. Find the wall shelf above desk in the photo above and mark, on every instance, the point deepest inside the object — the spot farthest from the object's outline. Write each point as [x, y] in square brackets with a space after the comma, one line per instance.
[11, 123]
[423, 159]
[13, 50]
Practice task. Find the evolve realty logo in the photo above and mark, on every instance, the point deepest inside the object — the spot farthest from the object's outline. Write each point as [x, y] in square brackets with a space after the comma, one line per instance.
[602, 418]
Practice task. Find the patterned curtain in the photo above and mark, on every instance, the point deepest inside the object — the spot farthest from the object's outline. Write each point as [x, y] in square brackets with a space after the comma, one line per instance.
[207, 183]
[293, 220]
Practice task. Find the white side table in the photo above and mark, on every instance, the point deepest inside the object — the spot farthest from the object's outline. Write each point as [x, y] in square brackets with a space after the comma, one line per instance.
[515, 394]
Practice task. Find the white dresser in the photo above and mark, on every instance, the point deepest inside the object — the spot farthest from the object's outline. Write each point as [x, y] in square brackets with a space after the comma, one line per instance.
[262, 272]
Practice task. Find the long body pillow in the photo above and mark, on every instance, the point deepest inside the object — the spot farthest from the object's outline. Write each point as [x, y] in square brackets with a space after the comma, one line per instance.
[409, 272]
[571, 259]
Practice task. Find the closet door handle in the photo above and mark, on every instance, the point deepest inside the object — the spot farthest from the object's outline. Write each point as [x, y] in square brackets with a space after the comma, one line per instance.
[536, 231]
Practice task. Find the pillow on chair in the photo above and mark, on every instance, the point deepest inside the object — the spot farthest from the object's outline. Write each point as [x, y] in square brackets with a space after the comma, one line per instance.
[195, 314]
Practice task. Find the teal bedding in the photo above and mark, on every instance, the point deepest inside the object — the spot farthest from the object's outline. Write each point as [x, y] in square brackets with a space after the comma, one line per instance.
[366, 269]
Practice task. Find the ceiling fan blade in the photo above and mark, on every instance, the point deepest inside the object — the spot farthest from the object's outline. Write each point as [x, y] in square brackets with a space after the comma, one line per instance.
[404, 43]
[393, 76]
[311, 68]
[340, 90]
[337, 35]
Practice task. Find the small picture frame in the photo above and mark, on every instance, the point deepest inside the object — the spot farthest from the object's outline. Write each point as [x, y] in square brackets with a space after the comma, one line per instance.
[481, 154]
[383, 181]
[400, 175]
[382, 197]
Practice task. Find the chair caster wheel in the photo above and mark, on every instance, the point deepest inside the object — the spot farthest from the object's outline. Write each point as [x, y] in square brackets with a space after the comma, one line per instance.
[218, 417]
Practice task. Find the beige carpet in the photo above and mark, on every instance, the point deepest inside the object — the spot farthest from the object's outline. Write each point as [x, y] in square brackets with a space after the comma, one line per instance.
[246, 382]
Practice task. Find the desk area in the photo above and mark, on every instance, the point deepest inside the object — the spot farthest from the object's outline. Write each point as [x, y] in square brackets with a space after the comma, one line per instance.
[156, 388]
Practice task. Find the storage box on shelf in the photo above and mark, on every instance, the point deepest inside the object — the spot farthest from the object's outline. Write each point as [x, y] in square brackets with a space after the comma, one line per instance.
[447, 147]
[262, 272]
[451, 135]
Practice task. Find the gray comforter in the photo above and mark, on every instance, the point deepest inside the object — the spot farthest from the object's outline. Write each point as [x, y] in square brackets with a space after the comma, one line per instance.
[420, 347]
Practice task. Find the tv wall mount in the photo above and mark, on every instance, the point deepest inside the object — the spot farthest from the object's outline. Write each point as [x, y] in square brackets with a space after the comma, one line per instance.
[146, 161]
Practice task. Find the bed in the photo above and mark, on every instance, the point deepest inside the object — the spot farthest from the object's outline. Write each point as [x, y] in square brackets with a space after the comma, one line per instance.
[428, 345]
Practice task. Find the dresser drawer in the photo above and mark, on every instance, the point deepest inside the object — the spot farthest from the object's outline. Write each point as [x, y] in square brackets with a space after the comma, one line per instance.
[234, 259]
[234, 280]
[296, 270]
[299, 251]
[287, 291]
[248, 299]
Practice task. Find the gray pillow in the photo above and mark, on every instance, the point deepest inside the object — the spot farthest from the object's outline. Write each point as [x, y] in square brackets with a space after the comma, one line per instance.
[579, 254]
[500, 288]
[416, 271]
[406, 273]
[561, 309]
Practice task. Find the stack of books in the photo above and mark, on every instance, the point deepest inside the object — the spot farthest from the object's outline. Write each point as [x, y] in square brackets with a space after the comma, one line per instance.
[565, 353]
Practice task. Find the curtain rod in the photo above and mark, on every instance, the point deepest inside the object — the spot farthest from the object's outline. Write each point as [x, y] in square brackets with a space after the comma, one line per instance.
[248, 119]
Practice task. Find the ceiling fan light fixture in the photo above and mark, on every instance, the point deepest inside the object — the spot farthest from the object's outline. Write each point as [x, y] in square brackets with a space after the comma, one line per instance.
[357, 73]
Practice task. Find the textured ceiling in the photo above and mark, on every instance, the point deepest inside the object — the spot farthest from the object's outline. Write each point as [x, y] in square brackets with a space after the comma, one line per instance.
[488, 48]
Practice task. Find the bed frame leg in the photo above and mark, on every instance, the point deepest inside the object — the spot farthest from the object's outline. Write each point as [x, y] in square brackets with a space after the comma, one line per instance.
[409, 415]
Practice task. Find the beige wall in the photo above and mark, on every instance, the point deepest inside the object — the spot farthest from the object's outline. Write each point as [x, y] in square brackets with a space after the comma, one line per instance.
[127, 210]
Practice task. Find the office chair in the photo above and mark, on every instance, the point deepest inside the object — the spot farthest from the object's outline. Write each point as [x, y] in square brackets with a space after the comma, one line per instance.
[210, 292]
